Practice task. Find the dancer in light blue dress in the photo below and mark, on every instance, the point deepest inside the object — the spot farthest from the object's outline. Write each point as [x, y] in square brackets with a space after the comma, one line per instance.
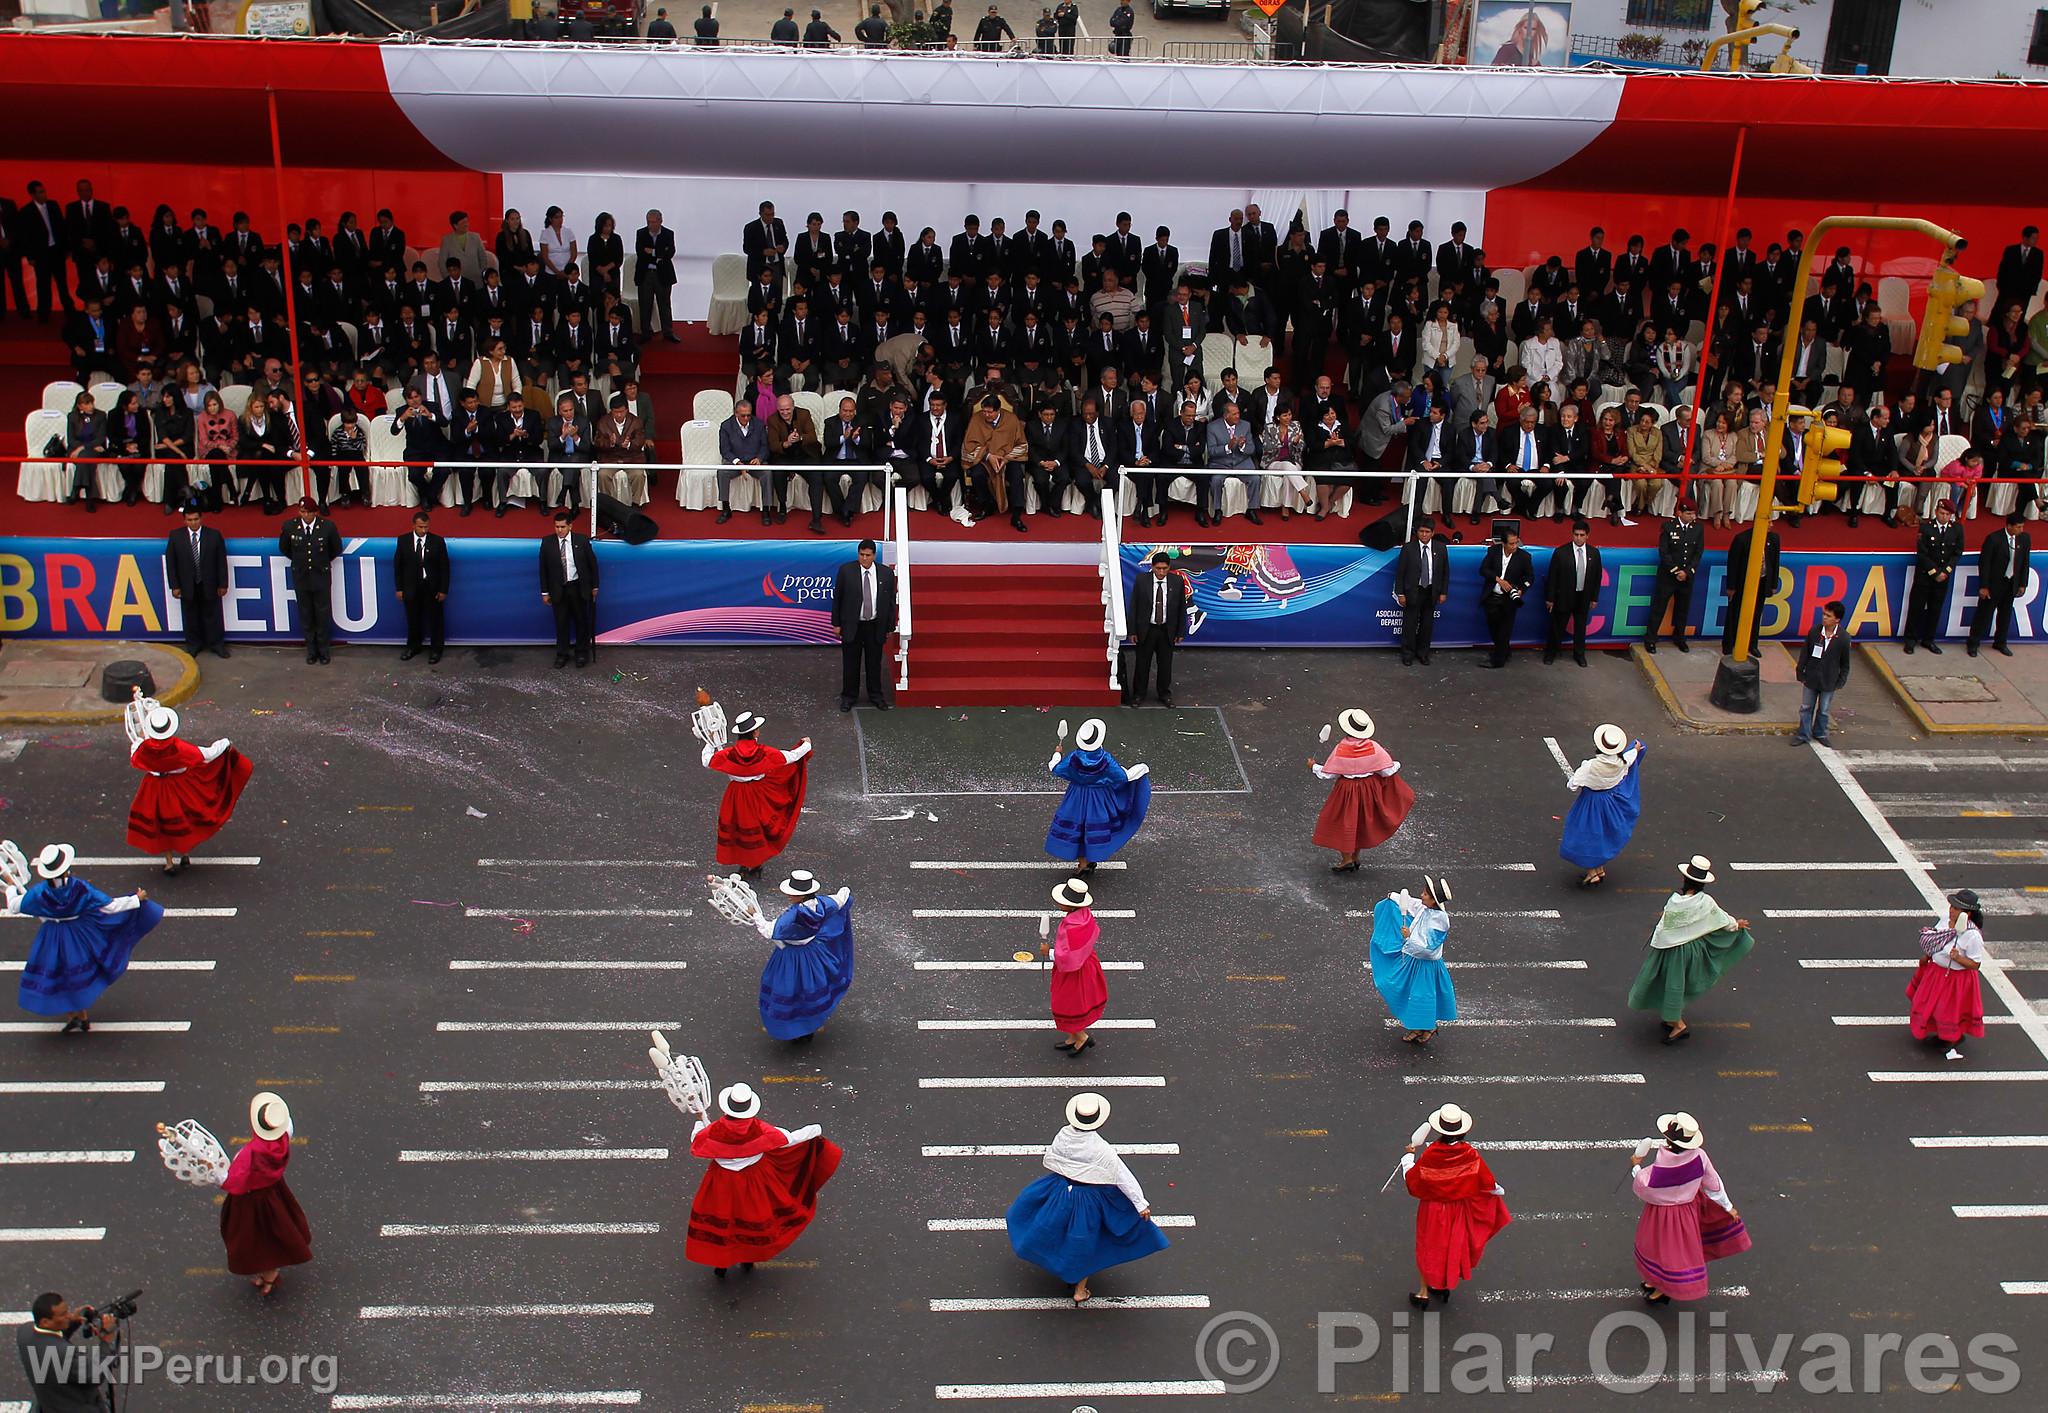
[1408, 959]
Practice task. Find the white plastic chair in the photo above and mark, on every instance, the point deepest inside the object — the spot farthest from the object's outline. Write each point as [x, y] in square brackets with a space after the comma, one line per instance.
[106, 395]
[235, 398]
[711, 405]
[42, 480]
[59, 396]
[698, 487]
[387, 445]
[728, 311]
[1514, 284]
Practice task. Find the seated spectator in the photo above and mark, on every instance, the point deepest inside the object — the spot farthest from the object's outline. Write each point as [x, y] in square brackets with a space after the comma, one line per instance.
[569, 446]
[1328, 450]
[341, 484]
[217, 438]
[170, 430]
[622, 442]
[993, 453]
[1282, 449]
[743, 442]
[264, 449]
[129, 438]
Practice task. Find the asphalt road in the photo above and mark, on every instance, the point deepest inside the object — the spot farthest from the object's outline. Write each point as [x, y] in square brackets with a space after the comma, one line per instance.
[452, 1222]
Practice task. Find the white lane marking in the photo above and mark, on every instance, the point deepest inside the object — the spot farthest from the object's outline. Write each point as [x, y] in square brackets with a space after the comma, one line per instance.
[53, 1233]
[1980, 851]
[1557, 754]
[125, 860]
[482, 965]
[168, 912]
[1047, 1081]
[81, 1086]
[1955, 1076]
[1126, 1388]
[489, 1312]
[1960, 806]
[1903, 1020]
[1517, 966]
[1548, 913]
[98, 1027]
[1561, 1217]
[467, 1027]
[1815, 867]
[1012, 966]
[1925, 760]
[999, 1224]
[2029, 1209]
[1736, 1292]
[1037, 1150]
[520, 1229]
[603, 1398]
[1598, 1021]
[1998, 1140]
[1560, 1145]
[1061, 1302]
[135, 966]
[1045, 865]
[585, 863]
[1868, 963]
[1011, 912]
[2024, 1287]
[27, 1157]
[1520, 1079]
[1844, 912]
[532, 1155]
[1021, 794]
[575, 912]
[509, 1086]
[1031, 1024]
[1615, 1382]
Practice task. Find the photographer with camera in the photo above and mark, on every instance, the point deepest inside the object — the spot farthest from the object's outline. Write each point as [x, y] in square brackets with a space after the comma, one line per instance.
[58, 1353]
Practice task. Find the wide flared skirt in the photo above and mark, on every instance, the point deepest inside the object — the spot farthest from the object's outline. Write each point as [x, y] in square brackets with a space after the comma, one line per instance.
[1094, 821]
[1674, 1244]
[755, 1213]
[757, 818]
[1074, 1229]
[800, 988]
[1078, 996]
[71, 962]
[174, 814]
[1362, 812]
[265, 1230]
[1416, 989]
[1600, 823]
[1451, 1236]
[1946, 1002]
[1673, 976]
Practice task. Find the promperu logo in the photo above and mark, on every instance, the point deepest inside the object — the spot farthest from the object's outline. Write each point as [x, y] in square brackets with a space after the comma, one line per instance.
[798, 589]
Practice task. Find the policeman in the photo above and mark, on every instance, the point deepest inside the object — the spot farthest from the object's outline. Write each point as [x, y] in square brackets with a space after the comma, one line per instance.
[310, 545]
[1934, 563]
[1678, 563]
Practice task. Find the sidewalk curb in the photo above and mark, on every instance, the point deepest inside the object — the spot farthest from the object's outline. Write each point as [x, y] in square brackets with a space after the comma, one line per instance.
[1677, 712]
[1884, 674]
[179, 691]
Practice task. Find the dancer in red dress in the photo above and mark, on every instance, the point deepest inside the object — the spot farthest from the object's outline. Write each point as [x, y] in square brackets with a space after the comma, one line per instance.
[1947, 990]
[761, 1189]
[1078, 990]
[1460, 1208]
[1369, 800]
[186, 793]
[763, 800]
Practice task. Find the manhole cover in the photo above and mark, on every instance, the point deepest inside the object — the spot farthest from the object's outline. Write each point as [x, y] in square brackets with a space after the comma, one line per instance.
[46, 674]
[1947, 689]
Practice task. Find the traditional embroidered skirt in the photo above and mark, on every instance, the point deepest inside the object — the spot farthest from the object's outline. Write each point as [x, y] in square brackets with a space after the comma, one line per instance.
[1947, 1002]
[1362, 812]
[1674, 1245]
[754, 1214]
[1451, 1236]
[801, 987]
[174, 814]
[756, 818]
[1094, 821]
[264, 1230]
[73, 960]
[1673, 976]
[1074, 1229]
[1600, 822]
[1078, 996]
[1416, 989]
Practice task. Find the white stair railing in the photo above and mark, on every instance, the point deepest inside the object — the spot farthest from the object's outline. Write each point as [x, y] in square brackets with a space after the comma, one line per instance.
[900, 498]
[1111, 570]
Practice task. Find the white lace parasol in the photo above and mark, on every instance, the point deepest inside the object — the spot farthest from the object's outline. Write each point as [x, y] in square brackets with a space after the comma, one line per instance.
[192, 1154]
[707, 722]
[734, 898]
[135, 717]
[682, 1077]
[13, 865]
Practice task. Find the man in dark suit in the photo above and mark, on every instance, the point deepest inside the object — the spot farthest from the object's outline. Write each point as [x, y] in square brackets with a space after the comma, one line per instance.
[2003, 567]
[1939, 550]
[1671, 262]
[1156, 617]
[1571, 587]
[568, 585]
[196, 564]
[764, 242]
[1738, 568]
[654, 271]
[863, 617]
[1340, 247]
[2019, 270]
[310, 544]
[1593, 266]
[1422, 583]
[1505, 574]
[934, 461]
[419, 567]
[1229, 252]
[1679, 550]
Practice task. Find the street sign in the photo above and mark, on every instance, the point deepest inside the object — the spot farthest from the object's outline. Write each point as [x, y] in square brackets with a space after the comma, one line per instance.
[1271, 7]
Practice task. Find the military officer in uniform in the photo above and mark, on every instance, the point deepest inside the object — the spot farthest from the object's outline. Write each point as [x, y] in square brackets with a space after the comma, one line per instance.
[1934, 564]
[1678, 563]
[310, 545]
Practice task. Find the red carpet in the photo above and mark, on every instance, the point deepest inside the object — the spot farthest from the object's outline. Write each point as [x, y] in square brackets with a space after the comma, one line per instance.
[1048, 620]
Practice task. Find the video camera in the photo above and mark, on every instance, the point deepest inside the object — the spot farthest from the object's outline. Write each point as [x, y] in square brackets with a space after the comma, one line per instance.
[121, 1307]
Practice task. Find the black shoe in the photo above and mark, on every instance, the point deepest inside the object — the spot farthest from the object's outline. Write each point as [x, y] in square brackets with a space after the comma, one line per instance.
[1166, 699]
[220, 650]
[817, 526]
[2001, 649]
[1934, 648]
[312, 657]
[1549, 658]
[561, 659]
[433, 657]
[408, 655]
[1970, 648]
[1681, 644]
[1407, 659]
[465, 509]
[325, 659]
[1909, 649]
[1649, 647]
[782, 517]
[672, 336]
[1201, 516]
[1852, 520]
[1017, 524]
[846, 703]
[499, 512]
[767, 517]
[1253, 516]
[1423, 657]
[92, 507]
[582, 659]
[723, 516]
[1579, 658]
[1493, 662]
[880, 703]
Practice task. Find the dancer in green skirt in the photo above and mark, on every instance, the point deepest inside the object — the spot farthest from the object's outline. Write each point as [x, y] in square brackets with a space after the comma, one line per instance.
[1695, 942]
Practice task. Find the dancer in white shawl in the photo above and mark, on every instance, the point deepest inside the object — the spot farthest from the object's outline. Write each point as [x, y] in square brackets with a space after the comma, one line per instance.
[1608, 800]
[1088, 1212]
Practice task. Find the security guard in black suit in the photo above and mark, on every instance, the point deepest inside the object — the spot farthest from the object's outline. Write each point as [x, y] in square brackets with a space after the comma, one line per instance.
[1934, 564]
[310, 544]
[1679, 550]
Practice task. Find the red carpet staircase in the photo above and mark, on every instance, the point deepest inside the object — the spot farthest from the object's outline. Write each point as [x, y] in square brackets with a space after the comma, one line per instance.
[1007, 635]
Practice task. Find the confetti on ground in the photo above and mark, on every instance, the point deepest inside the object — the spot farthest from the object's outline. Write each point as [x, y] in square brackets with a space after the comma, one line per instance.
[474, 813]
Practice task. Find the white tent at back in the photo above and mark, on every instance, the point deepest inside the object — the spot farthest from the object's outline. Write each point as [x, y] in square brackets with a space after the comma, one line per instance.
[708, 213]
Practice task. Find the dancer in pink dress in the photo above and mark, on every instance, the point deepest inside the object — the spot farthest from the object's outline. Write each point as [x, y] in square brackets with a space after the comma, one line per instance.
[1078, 991]
[1688, 1218]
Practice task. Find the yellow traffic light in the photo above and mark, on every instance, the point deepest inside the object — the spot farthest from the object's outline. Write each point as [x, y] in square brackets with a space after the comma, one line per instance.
[1941, 324]
[1741, 13]
[1822, 465]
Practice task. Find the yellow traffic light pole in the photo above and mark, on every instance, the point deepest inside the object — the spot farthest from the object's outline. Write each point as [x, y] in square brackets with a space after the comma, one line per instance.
[1767, 489]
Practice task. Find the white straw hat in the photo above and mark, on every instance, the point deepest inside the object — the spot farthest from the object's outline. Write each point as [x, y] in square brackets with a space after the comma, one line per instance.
[1355, 724]
[1451, 1121]
[1698, 869]
[1610, 740]
[800, 884]
[1087, 1112]
[747, 723]
[268, 1116]
[55, 860]
[1438, 888]
[1680, 1130]
[739, 1102]
[1092, 734]
[162, 724]
[1073, 893]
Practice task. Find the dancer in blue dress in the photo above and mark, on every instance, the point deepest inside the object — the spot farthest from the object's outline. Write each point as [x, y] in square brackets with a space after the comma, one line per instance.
[812, 965]
[1408, 959]
[1104, 805]
[1608, 800]
[1087, 1213]
[86, 937]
